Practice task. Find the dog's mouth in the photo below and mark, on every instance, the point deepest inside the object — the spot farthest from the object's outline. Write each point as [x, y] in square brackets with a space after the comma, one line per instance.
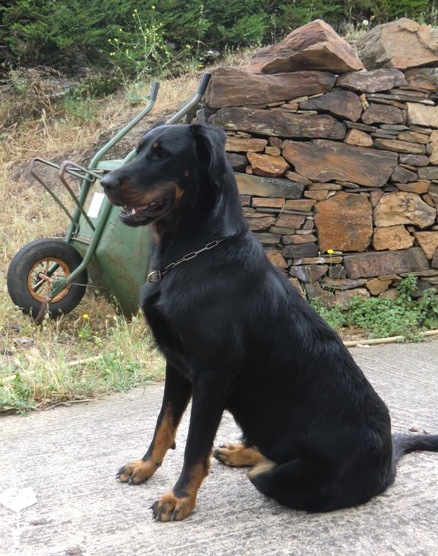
[141, 215]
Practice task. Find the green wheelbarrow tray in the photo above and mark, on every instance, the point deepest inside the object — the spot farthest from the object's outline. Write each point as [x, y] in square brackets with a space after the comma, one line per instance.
[52, 274]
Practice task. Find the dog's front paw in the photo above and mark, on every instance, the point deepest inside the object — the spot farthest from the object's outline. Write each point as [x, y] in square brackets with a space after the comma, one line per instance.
[171, 508]
[136, 472]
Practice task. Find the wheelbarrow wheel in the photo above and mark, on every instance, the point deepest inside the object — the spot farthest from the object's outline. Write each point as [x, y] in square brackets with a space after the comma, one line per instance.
[36, 267]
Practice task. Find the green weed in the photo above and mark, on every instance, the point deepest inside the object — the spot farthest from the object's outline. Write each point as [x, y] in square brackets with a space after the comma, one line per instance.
[144, 53]
[74, 359]
[83, 109]
[384, 317]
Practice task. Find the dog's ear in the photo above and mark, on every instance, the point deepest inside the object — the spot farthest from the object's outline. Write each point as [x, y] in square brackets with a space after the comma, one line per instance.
[210, 145]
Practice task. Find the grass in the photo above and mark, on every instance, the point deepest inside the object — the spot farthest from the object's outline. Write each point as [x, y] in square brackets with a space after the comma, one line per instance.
[93, 351]
[383, 317]
[73, 358]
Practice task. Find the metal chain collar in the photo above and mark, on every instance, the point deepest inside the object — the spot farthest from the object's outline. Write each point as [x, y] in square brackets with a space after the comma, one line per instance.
[157, 275]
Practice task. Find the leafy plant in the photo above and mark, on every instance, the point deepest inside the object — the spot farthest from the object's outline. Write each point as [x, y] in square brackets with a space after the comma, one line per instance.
[384, 317]
[334, 315]
[16, 395]
[145, 52]
[83, 109]
[72, 34]
[428, 308]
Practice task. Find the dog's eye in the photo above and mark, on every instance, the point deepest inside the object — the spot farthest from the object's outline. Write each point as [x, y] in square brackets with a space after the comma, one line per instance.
[158, 153]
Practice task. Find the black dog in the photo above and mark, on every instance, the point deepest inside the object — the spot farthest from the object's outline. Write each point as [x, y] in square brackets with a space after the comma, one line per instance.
[236, 335]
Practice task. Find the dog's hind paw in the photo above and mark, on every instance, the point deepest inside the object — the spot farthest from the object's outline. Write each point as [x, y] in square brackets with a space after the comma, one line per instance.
[237, 455]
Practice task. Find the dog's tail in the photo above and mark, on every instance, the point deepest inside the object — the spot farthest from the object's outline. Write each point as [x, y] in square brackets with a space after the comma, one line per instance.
[405, 443]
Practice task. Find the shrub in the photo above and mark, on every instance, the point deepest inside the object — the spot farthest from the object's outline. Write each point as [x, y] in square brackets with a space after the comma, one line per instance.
[383, 317]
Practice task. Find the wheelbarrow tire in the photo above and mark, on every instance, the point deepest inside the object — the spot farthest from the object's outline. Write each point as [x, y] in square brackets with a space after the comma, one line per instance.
[29, 292]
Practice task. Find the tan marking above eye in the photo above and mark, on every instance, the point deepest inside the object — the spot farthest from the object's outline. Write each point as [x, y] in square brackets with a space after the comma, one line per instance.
[155, 145]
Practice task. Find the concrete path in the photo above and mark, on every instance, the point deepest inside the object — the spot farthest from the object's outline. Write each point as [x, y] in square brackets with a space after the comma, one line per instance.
[68, 457]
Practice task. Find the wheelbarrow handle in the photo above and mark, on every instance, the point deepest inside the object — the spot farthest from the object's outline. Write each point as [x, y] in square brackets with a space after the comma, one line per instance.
[193, 101]
[205, 79]
[154, 90]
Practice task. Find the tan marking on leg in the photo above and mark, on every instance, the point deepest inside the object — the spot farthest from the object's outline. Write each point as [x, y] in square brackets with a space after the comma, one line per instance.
[263, 467]
[137, 471]
[238, 455]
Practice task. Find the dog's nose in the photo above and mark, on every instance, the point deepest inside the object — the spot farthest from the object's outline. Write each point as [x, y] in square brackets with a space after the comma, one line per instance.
[110, 182]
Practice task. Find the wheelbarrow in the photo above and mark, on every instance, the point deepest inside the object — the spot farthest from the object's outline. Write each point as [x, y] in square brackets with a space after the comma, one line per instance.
[51, 274]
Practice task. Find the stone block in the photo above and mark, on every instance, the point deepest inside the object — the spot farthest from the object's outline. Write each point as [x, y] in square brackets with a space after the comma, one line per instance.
[344, 222]
[312, 46]
[268, 187]
[400, 44]
[278, 123]
[367, 265]
[325, 161]
[403, 208]
[372, 81]
[237, 87]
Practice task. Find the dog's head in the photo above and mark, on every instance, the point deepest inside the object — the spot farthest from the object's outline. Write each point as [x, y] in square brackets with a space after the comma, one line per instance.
[172, 162]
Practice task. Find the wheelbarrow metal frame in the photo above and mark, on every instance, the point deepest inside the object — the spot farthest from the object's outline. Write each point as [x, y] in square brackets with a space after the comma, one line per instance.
[88, 177]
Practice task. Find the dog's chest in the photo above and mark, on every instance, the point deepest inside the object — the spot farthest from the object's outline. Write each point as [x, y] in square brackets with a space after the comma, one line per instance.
[159, 316]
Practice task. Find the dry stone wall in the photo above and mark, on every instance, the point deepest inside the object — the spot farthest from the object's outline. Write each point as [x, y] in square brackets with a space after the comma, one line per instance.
[337, 166]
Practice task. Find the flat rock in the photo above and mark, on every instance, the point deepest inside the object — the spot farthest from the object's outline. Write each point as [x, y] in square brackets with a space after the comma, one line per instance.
[279, 123]
[268, 202]
[428, 241]
[300, 251]
[342, 284]
[267, 165]
[404, 147]
[403, 208]
[402, 175]
[293, 221]
[342, 104]
[420, 187]
[323, 161]
[268, 187]
[309, 273]
[298, 239]
[392, 238]
[428, 173]
[314, 291]
[358, 138]
[422, 115]
[382, 114]
[315, 46]
[245, 144]
[259, 222]
[434, 147]
[418, 159]
[276, 258]
[413, 136]
[343, 297]
[400, 44]
[344, 222]
[372, 81]
[423, 78]
[236, 87]
[367, 265]
[376, 286]
[433, 193]
[303, 205]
